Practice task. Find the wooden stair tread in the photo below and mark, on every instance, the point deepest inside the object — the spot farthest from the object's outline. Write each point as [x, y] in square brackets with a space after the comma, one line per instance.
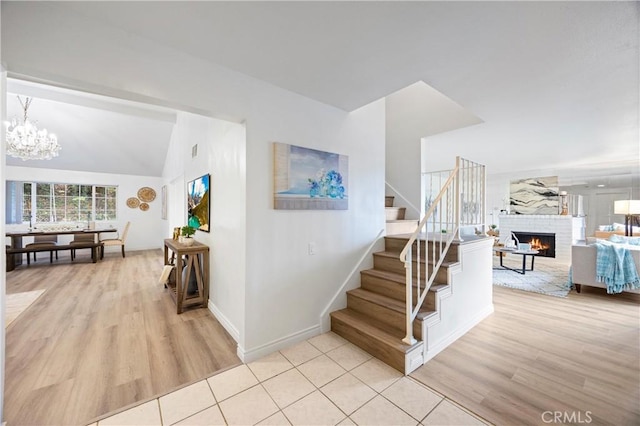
[387, 302]
[390, 337]
[438, 287]
[374, 322]
[392, 254]
[402, 221]
[398, 278]
[387, 275]
[405, 238]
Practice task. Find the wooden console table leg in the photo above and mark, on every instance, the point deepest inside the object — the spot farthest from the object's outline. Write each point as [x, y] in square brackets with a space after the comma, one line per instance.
[189, 268]
[205, 278]
[200, 277]
[195, 261]
[179, 283]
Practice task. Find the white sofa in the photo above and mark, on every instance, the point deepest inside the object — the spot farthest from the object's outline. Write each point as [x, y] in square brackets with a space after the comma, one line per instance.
[583, 266]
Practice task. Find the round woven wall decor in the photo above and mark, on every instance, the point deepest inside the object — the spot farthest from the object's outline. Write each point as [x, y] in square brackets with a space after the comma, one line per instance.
[146, 194]
[133, 202]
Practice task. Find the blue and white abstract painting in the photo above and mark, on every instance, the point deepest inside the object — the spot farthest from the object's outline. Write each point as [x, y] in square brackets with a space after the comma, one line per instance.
[535, 196]
[309, 179]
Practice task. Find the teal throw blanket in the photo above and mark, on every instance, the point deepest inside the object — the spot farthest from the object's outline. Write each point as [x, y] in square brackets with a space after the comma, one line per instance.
[615, 267]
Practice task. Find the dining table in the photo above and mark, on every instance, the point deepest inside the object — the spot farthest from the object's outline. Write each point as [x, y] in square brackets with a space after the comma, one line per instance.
[16, 237]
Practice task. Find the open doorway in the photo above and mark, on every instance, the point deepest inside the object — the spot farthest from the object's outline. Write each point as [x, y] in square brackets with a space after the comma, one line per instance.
[102, 335]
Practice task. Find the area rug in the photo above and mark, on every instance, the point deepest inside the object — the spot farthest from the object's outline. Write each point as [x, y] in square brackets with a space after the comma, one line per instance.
[548, 276]
[17, 303]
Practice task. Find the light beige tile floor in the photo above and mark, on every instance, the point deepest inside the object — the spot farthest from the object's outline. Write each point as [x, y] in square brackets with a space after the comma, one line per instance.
[322, 381]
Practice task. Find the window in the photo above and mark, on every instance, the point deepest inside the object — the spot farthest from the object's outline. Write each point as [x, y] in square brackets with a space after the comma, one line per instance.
[105, 197]
[60, 202]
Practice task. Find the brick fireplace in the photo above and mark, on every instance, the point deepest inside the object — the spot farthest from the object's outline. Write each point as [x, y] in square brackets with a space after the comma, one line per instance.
[544, 242]
[566, 230]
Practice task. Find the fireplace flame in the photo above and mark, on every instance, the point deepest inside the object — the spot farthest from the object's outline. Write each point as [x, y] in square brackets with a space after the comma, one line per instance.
[536, 244]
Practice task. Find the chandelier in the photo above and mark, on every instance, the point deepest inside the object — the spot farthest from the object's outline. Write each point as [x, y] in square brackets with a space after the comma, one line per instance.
[25, 141]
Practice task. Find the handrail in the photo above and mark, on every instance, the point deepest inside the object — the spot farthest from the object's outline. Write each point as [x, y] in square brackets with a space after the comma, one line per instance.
[412, 239]
[459, 202]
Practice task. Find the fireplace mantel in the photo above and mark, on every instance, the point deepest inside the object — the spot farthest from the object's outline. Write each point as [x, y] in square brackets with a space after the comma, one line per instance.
[568, 230]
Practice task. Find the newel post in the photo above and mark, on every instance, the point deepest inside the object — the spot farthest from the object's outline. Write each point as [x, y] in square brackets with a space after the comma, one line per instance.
[408, 339]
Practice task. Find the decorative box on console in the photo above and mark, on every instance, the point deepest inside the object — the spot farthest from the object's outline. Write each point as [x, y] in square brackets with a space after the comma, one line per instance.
[568, 230]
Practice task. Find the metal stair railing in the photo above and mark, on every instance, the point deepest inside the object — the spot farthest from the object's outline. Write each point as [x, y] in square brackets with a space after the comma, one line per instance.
[459, 202]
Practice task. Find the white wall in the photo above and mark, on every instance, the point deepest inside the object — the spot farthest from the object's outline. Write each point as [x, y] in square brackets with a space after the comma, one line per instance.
[146, 226]
[221, 153]
[470, 299]
[285, 289]
[3, 274]
[413, 113]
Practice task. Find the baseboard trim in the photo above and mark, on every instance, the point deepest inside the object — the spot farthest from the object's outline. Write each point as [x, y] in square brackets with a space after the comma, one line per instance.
[224, 321]
[456, 334]
[256, 353]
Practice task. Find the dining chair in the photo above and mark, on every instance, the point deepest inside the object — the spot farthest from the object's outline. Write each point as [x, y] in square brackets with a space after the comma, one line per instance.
[118, 241]
[43, 241]
[79, 239]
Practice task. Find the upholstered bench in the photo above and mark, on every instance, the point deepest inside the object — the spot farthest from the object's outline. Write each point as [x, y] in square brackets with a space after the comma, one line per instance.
[51, 248]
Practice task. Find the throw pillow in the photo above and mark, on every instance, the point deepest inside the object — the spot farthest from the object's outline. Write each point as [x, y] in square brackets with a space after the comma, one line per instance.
[617, 226]
[616, 238]
[635, 241]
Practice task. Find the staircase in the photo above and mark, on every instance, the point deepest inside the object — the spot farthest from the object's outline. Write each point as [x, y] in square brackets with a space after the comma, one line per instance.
[396, 223]
[375, 316]
[399, 300]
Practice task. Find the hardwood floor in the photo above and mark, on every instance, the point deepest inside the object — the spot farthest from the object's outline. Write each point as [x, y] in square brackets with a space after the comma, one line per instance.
[98, 340]
[102, 337]
[578, 356]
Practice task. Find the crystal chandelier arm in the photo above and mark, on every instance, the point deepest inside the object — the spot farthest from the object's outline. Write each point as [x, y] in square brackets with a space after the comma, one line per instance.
[25, 105]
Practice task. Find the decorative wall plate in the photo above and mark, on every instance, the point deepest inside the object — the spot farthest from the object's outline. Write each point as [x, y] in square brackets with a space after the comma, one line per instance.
[133, 202]
[146, 194]
[144, 207]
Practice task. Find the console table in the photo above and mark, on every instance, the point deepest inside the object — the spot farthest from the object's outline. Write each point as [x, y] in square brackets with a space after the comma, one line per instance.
[195, 258]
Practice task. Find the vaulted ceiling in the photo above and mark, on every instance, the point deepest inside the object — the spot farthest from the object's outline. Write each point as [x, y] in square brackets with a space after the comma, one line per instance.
[97, 133]
[559, 80]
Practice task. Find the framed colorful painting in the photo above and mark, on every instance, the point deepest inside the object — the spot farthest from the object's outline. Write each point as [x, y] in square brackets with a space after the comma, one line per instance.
[198, 215]
[309, 179]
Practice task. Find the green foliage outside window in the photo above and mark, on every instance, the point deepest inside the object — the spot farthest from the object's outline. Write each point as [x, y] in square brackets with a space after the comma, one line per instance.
[106, 197]
[26, 202]
[60, 202]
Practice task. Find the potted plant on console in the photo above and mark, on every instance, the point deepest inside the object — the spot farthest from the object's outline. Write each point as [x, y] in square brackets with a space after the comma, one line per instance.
[187, 233]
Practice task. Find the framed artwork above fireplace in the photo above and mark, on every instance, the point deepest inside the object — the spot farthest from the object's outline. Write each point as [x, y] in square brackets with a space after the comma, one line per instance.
[534, 196]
